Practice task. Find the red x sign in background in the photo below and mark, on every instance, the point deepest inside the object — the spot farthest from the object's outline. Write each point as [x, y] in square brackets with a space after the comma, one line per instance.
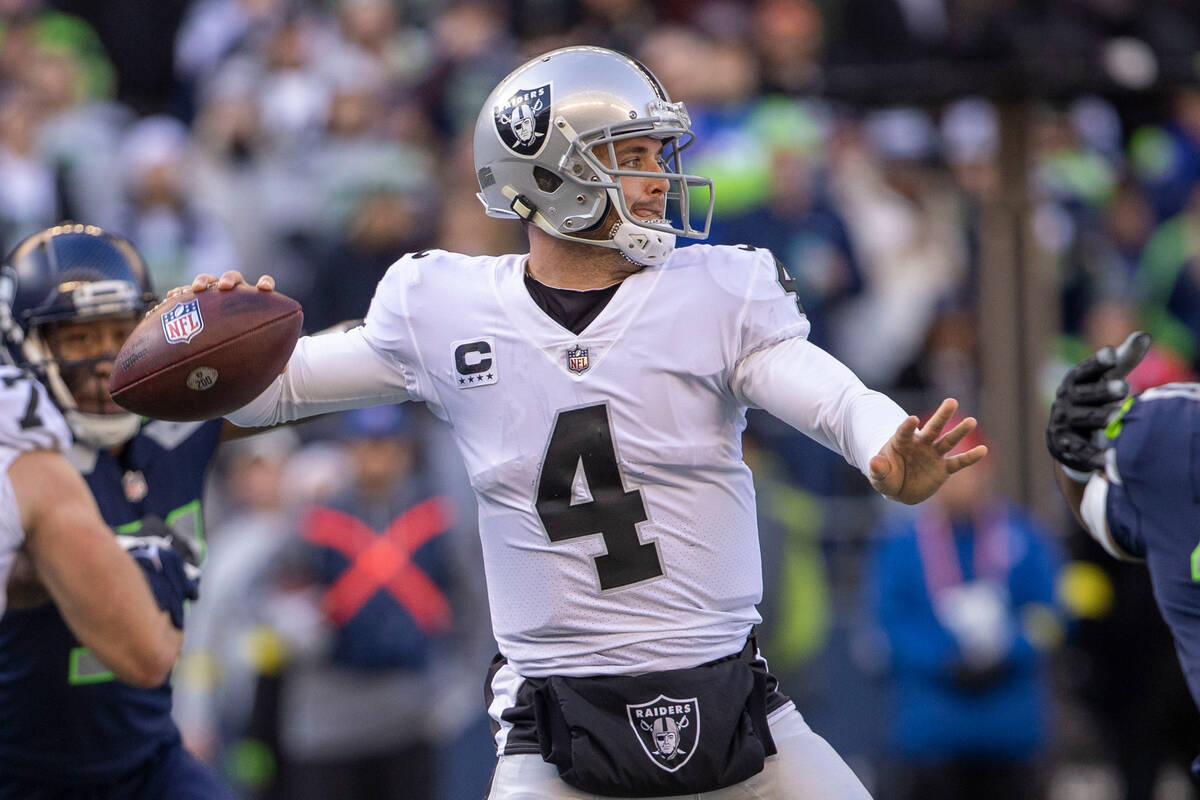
[383, 561]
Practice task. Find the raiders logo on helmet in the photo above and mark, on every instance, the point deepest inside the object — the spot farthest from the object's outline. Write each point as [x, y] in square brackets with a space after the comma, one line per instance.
[523, 120]
[668, 729]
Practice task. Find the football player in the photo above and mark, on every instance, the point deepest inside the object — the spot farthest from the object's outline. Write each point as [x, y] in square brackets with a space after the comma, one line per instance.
[47, 513]
[71, 728]
[1129, 467]
[597, 387]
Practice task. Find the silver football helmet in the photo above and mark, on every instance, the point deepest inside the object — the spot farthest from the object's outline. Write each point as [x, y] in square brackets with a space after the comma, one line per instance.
[536, 143]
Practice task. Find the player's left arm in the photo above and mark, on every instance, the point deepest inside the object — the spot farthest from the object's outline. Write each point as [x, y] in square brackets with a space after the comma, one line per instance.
[806, 387]
[779, 370]
[815, 393]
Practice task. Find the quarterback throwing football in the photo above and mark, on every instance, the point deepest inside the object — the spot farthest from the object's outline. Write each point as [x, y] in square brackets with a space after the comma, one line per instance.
[597, 388]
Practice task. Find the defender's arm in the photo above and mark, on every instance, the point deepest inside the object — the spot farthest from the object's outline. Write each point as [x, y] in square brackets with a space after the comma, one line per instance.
[96, 586]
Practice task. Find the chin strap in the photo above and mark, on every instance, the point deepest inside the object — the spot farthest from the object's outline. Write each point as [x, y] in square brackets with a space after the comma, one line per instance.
[640, 245]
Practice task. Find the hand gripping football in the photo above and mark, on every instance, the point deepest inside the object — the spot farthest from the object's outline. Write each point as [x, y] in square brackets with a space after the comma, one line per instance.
[200, 356]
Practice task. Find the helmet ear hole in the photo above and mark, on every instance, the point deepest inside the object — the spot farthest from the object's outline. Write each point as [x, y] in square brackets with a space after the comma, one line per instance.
[546, 180]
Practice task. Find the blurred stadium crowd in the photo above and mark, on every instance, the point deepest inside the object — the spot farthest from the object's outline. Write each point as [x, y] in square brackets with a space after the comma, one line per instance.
[318, 140]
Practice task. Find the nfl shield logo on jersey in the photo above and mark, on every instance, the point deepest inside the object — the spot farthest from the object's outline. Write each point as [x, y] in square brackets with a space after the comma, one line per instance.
[668, 729]
[577, 360]
[182, 322]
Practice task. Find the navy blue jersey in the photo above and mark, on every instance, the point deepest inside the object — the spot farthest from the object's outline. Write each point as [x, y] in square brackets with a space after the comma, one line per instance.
[1153, 505]
[63, 717]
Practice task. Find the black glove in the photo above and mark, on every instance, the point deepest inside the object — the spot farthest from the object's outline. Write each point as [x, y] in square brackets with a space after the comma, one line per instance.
[170, 563]
[1089, 395]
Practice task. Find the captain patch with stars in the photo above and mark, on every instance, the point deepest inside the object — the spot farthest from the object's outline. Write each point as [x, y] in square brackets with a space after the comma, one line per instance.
[523, 119]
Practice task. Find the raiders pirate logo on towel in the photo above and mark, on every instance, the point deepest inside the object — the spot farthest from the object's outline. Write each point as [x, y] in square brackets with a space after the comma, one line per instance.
[668, 729]
[523, 120]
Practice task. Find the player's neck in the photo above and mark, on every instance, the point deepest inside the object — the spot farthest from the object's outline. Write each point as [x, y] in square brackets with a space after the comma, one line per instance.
[572, 265]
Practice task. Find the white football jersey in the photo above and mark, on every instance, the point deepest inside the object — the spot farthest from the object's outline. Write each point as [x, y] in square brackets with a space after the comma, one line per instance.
[616, 513]
[28, 421]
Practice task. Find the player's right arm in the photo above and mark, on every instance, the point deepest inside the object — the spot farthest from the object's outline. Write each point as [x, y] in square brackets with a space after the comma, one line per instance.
[99, 590]
[331, 372]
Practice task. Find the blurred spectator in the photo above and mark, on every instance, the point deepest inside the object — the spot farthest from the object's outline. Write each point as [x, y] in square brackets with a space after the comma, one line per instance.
[1128, 224]
[177, 237]
[796, 601]
[216, 677]
[472, 51]
[375, 27]
[27, 190]
[1169, 284]
[213, 30]
[905, 224]
[964, 591]
[948, 365]
[1167, 157]
[970, 138]
[789, 35]
[970, 134]
[797, 220]
[80, 125]
[363, 707]
[235, 175]
[384, 224]
[294, 100]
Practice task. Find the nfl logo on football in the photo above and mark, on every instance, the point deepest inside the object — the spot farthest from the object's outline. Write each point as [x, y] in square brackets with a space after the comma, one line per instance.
[577, 360]
[182, 322]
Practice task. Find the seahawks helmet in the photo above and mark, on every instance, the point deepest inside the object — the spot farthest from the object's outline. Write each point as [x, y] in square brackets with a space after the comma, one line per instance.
[536, 144]
[65, 274]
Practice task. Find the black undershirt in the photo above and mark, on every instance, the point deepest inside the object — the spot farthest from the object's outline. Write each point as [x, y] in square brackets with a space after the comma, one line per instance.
[574, 309]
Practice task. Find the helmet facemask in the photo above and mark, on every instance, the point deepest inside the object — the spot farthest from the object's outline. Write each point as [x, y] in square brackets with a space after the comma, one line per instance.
[74, 358]
[69, 296]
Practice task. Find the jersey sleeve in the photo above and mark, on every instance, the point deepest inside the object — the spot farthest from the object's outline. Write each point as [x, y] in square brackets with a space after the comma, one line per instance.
[801, 384]
[770, 313]
[392, 324]
[369, 365]
[28, 420]
[327, 373]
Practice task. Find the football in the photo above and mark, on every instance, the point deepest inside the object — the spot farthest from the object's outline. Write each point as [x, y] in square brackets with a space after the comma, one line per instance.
[201, 355]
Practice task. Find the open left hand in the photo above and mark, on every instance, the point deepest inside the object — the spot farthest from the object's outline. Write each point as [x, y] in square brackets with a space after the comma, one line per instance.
[914, 462]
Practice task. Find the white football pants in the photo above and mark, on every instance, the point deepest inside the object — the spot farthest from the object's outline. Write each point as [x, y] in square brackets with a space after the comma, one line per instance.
[804, 768]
